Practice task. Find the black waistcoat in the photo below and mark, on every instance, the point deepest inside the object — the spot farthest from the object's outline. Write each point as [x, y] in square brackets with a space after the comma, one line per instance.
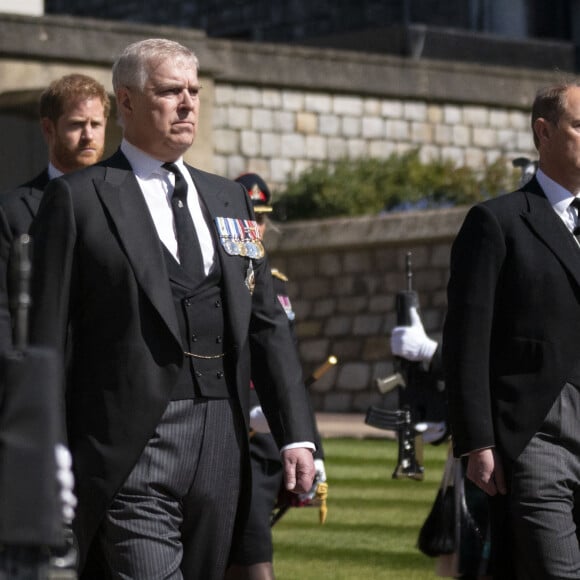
[199, 306]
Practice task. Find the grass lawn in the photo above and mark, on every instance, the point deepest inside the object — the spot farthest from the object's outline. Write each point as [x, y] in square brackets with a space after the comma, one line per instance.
[373, 520]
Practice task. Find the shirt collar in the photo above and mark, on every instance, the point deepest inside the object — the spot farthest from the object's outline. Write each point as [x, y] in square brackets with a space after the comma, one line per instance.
[53, 172]
[143, 165]
[559, 197]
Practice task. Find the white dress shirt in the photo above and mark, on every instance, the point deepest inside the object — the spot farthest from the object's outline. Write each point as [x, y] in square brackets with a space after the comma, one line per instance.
[560, 199]
[157, 185]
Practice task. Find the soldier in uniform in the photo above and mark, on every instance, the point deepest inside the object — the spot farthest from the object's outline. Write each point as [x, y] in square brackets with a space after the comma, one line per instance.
[251, 557]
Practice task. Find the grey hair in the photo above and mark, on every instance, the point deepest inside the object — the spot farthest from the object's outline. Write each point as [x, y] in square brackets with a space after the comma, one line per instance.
[133, 65]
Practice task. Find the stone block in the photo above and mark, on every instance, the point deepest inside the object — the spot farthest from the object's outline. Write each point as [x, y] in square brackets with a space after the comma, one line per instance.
[248, 96]
[312, 350]
[443, 135]
[499, 119]
[224, 94]
[421, 132]
[397, 130]
[362, 401]
[347, 105]
[476, 116]
[293, 145]
[318, 103]
[337, 148]
[338, 326]
[262, 120]
[271, 99]
[236, 166]
[475, 158]
[239, 117]
[367, 324]
[346, 348]
[372, 127]
[415, 111]
[392, 109]
[306, 123]
[484, 137]
[226, 141]
[315, 147]
[351, 304]
[353, 377]
[281, 169]
[283, 121]
[270, 144]
[249, 143]
[452, 114]
[461, 135]
[372, 107]
[357, 148]
[351, 127]
[292, 100]
[323, 307]
[219, 118]
[435, 114]
[454, 154]
[337, 403]
[381, 149]
[329, 125]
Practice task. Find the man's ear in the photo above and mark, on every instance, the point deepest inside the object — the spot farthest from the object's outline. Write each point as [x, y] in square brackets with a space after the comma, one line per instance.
[124, 101]
[48, 129]
[542, 129]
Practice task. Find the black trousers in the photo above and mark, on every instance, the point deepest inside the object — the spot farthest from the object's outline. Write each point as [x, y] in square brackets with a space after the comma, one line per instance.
[174, 516]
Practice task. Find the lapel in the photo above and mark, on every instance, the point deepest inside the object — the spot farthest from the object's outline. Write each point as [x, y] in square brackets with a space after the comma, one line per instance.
[542, 219]
[121, 195]
[32, 196]
[219, 203]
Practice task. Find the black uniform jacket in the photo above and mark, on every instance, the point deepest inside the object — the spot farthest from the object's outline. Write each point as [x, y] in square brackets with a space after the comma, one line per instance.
[512, 333]
[100, 282]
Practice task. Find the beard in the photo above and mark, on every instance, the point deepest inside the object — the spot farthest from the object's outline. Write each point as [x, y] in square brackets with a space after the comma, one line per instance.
[81, 155]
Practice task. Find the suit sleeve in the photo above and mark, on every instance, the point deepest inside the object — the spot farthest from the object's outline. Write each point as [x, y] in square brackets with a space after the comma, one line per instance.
[477, 256]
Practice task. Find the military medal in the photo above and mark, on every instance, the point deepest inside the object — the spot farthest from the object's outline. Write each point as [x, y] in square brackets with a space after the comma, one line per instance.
[250, 278]
[240, 237]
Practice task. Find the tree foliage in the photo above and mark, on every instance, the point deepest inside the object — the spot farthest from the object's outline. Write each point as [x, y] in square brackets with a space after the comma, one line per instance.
[370, 186]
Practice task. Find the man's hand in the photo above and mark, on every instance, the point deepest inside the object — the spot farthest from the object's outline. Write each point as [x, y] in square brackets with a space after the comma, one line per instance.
[298, 469]
[485, 469]
[411, 342]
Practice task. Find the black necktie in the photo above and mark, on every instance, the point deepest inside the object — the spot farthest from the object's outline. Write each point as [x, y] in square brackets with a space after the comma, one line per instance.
[190, 256]
[576, 205]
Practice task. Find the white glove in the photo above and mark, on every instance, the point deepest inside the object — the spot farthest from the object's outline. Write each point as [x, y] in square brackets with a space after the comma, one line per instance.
[320, 472]
[65, 478]
[411, 342]
[258, 422]
[431, 431]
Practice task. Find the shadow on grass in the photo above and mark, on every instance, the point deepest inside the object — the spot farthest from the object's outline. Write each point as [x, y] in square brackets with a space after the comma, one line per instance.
[393, 559]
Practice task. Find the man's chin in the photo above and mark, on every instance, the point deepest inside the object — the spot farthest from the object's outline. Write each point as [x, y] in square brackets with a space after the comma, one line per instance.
[87, 159]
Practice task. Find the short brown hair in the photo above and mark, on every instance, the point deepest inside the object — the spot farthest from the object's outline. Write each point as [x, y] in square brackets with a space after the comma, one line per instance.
[71, 87]
[550, 104]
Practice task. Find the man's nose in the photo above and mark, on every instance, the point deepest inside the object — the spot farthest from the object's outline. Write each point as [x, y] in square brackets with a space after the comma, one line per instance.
[87, 132]
[187, 100]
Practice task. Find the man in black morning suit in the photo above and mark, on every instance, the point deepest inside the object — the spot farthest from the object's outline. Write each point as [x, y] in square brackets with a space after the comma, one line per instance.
[73, 115]
[511, 348]
[157, 386]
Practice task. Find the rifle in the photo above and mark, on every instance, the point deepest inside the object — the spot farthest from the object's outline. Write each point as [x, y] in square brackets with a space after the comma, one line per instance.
[409, 438]
[420, 399]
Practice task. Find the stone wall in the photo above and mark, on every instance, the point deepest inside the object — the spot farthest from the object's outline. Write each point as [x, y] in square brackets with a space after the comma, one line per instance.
[279, 133]
[344, 277]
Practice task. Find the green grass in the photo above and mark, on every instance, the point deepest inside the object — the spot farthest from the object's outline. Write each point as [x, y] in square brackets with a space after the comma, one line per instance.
[373, 520]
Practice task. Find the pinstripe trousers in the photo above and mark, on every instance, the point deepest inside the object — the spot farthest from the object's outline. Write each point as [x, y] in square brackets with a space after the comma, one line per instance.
[545, 495]
[174, 516]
